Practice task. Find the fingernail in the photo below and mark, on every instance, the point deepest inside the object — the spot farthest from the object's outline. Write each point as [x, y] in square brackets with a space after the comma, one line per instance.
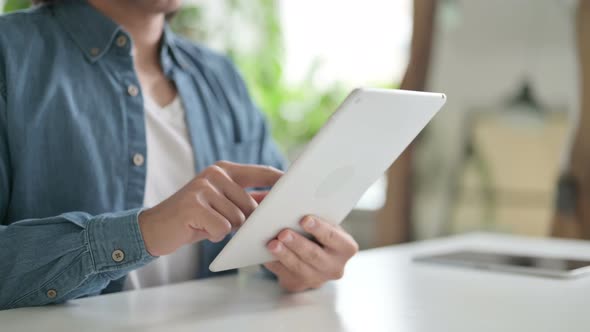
[276, 248]
[309, 222]
[288, 237]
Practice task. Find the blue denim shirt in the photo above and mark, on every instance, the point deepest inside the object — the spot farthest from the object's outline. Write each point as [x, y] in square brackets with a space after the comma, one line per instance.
[70, 124]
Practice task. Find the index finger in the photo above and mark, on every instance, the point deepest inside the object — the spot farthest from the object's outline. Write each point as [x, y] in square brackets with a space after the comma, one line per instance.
[248, 175]
[258, 195]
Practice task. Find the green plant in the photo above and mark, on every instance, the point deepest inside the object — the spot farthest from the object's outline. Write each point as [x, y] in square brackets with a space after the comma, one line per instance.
[296, 111]
[12, 5]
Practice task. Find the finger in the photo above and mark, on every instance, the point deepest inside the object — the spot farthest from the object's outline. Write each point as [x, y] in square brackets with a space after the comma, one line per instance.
[308, 251]
[258, 196]
[227, 209]
[222, 182]
[248, 176]
[330, 236]
[287, 279]
[198, 235]
[295, 265]
[214, 224]
[279, 270]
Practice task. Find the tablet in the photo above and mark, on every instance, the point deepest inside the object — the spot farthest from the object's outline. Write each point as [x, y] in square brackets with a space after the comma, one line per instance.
[554, 267]
[369, 130]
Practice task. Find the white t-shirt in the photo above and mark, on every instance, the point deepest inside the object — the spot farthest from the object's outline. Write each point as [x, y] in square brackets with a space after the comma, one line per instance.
[170, 165]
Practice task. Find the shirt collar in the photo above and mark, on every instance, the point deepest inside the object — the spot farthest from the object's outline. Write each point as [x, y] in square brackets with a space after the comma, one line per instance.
[94, 33]
[169, 53]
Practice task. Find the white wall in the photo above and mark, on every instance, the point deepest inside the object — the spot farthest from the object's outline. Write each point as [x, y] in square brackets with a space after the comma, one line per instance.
[359, 42]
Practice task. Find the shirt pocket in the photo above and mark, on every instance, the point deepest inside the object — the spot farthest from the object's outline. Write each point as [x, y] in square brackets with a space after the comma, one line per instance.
[244, 152]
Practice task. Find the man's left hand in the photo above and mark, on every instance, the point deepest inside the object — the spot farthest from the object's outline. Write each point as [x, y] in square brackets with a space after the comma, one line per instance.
[303, 264]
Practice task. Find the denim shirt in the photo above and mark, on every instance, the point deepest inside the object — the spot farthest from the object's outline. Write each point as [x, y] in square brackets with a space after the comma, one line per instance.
[72, 138]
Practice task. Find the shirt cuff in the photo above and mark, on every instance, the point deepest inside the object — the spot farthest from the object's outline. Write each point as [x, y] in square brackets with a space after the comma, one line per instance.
[116, 242]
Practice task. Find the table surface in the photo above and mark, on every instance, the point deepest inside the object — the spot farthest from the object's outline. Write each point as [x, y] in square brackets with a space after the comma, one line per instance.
[382, 290]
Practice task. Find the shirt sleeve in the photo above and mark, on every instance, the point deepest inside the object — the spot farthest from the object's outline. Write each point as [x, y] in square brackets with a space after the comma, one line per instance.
[56, 259]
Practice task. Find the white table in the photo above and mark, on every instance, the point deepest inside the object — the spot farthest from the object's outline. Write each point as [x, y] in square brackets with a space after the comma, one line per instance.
[383, 290]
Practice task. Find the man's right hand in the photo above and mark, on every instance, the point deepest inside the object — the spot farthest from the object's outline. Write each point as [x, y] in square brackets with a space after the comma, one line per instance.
[209, 207]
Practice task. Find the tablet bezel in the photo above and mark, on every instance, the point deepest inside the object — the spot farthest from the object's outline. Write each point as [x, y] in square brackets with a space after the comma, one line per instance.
[375, 116]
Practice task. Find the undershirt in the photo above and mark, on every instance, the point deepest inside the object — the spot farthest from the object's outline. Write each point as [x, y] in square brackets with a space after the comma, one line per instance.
[170, 165]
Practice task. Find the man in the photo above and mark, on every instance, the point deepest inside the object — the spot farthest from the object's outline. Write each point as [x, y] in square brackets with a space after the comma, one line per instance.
[103, 110]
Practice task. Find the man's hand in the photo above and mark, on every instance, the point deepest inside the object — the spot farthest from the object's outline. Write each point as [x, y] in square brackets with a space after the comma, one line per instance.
[303, 264]
[209, 207]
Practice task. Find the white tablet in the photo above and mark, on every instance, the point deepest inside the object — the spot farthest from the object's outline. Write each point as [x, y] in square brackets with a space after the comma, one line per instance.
[370, 129]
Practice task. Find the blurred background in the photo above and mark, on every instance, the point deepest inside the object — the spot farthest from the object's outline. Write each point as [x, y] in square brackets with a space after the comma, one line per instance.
[489, 161]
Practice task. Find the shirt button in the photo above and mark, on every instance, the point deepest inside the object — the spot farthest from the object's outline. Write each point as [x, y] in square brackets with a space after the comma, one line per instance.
[138, 159]
[94, 51]
[121, 41]
[52, 293]
[132, 90]
[118, 255]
